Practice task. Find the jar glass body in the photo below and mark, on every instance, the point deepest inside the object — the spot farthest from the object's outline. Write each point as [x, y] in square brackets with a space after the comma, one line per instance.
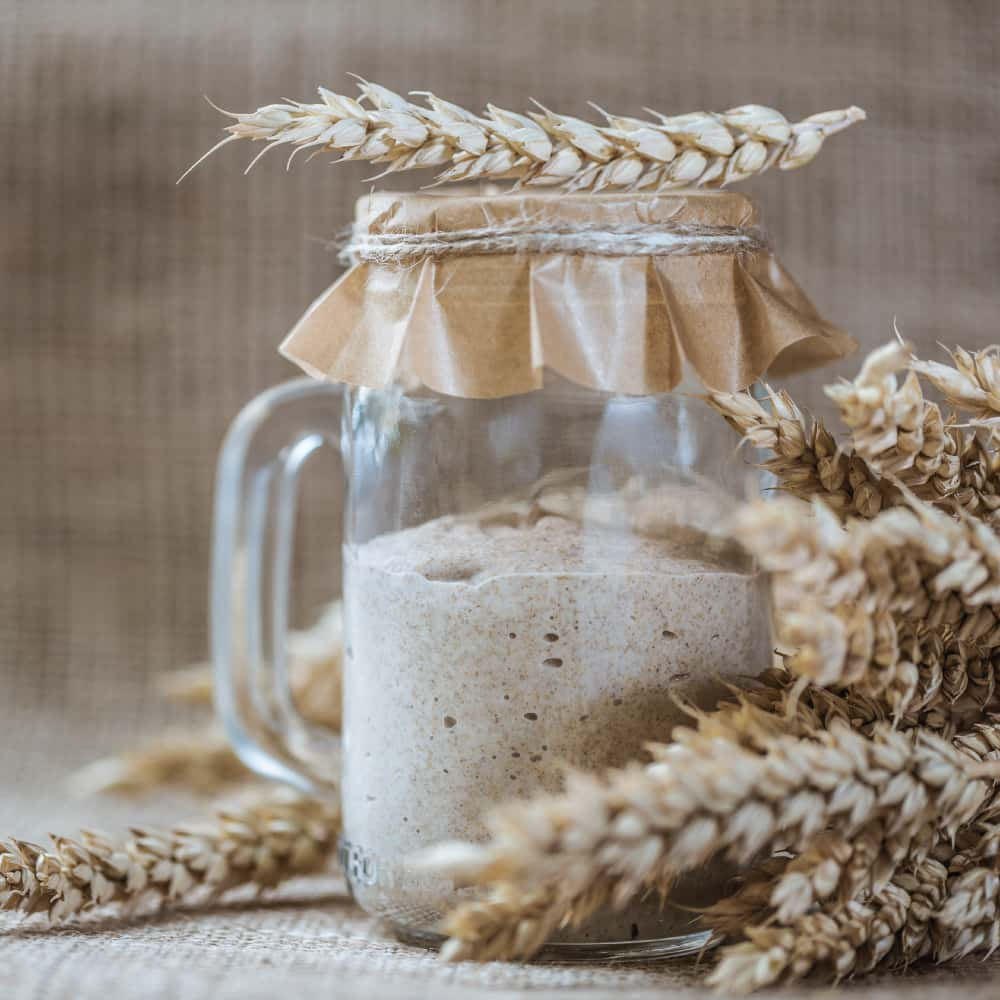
[530, 583]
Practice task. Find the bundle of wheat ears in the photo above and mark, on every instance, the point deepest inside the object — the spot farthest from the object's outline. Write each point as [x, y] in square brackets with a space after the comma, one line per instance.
[700, 149]
[858, 783]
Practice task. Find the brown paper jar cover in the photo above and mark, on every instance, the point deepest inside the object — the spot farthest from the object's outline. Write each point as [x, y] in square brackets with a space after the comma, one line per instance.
[486, 326]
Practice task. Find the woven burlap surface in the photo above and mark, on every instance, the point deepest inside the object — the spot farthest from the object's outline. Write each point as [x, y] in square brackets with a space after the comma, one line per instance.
[306, 940]
[138, 317]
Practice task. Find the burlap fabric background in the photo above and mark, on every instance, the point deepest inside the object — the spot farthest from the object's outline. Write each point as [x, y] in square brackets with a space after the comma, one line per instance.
[139, 316]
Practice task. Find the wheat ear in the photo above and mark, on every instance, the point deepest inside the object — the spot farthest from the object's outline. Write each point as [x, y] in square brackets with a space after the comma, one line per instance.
[806, 460]
[641, 826]
[541, 147]
[892, 425]
[901, 435]
[840, 939]
[260, 845]
[510, 923]
[833, 869]
[198, 760]
[970, 384]
[955, 686]
[847, 587]
[955, 912]
[824, 904]
[897, 436]
[966, 919]
[926, 884]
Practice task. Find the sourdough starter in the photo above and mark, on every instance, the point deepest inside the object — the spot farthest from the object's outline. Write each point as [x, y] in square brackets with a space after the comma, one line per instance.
[485, 654]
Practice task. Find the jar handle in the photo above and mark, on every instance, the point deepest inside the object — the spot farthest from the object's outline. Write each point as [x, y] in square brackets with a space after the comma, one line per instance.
[256, 496]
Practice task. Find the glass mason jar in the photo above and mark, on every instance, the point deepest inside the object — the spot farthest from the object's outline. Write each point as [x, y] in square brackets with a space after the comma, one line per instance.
[529, 583]
[534, 571]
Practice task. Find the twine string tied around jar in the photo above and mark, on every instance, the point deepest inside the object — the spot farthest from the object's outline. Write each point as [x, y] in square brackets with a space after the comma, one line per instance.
[663, 239]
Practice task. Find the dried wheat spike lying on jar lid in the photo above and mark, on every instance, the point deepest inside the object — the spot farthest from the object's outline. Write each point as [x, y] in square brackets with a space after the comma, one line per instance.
[699, 149]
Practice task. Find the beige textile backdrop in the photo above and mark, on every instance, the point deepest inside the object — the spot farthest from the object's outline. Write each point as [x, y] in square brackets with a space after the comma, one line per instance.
[137, 316]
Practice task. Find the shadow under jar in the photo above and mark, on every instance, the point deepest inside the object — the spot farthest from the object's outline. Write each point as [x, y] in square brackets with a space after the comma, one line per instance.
[531, 579]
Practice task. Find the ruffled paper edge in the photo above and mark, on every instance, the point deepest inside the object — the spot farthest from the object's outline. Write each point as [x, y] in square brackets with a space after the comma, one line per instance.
[488, 328]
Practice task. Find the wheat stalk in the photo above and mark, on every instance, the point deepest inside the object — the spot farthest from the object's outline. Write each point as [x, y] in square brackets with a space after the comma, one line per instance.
[955, 681]
[951, 944]
[807, 460]
[972, 899]
[828, 921]
[844, 939]
[642, 826]
[921, 676]
[902, 436]
[848, 585]
[780, 693]
[260, 845]
[968, 676]
[198, 760]
[891, 926]
[982, 742]
[970, 384]
[504, 925]
[965, 919]
[833, 868]
[926, 884]
[541, 147]
[510, 923]
[891, 425]
[955, 687]
[897, 435]
[978, 492]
